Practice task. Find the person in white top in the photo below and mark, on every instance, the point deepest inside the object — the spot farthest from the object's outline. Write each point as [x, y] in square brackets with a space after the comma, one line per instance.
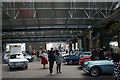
[44, 58]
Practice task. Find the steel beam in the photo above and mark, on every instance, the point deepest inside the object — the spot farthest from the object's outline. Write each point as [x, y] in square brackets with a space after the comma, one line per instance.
[59, 8]
[56, 18]
[44, 29]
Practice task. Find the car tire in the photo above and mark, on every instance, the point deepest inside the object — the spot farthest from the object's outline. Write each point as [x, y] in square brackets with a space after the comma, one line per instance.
[10, 68]
[26, 67]
[95, 71]
[70, 62]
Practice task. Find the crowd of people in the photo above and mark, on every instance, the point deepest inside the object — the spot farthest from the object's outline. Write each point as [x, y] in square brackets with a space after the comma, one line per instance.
[49, 57]
[52, 56]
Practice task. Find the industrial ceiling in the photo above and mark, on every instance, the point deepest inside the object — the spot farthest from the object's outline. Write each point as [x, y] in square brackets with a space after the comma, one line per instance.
[51, 21]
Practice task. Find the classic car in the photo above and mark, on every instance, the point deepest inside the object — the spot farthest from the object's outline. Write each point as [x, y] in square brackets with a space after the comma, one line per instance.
[64, 54]
[29, 57]
[74, 59]
[97, 67]
[6, 57]
[84, 59]
[17, 60]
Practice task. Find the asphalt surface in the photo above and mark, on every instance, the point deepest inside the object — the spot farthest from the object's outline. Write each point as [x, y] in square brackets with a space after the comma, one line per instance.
[35, 70]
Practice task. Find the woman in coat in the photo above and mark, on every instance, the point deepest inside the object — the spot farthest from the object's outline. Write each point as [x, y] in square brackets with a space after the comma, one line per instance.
[58, 58]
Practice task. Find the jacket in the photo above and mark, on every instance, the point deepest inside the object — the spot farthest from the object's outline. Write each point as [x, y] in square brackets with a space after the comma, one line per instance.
[51, 56]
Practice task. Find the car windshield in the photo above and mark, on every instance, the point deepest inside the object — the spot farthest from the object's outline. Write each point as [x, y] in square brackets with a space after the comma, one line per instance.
[77, 53]
[16, 56]
[86, 54]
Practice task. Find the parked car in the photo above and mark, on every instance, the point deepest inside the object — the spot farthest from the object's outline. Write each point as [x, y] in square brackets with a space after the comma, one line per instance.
[97, 67]
[64, 54]
[72, 59]
[85, 54]
[6, 58]
[17, 60]
[29, 57]
[84, 59]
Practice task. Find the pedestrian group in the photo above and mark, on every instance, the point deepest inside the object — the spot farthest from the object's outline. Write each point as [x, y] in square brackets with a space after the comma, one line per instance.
[51, 57]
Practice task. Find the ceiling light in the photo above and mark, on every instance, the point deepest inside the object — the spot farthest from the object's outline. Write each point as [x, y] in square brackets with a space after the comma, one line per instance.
[89, 26]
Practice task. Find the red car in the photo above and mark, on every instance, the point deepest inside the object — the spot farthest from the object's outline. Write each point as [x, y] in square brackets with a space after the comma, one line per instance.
[83, 59]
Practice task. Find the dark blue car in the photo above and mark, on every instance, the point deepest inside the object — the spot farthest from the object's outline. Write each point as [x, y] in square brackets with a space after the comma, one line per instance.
[74, 59]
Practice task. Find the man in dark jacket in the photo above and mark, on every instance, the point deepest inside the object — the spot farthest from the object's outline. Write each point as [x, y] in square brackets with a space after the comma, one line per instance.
[51, 59]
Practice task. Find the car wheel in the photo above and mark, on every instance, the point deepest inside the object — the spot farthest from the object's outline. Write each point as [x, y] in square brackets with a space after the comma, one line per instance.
[95, 71]
[26, 67]
[10, 68]
[70, 62]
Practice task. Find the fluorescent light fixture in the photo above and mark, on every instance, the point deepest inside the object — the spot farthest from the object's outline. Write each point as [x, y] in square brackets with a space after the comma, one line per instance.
[118, 5]
[89, 26]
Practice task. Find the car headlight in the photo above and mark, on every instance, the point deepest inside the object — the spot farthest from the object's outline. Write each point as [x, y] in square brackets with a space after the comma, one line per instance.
[25, 62]
[65, 57]
[86, 63]
[13, 63]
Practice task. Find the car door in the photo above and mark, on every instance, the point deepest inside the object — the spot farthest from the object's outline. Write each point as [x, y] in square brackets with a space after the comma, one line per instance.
[108, 68]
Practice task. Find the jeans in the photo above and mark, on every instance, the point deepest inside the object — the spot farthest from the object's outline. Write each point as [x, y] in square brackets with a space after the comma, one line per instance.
[51, 67]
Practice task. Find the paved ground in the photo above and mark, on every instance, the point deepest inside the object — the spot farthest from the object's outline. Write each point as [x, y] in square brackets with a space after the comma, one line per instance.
[35, 71]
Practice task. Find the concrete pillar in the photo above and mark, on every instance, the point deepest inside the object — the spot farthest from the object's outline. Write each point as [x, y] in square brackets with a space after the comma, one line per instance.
[70, 46]
[90, 40]
[3, 47]
[79, 43]
[84, 43]
[74, 45]
[119, 38]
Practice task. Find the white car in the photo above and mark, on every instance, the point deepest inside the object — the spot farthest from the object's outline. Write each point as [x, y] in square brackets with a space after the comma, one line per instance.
[17, 60]
[6, 57]
[64, 54]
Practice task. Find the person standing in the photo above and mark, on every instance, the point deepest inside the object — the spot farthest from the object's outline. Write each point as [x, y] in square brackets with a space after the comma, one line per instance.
[95, 55]
[51, 59]
[44, 59]
[37, 54]
[101, 55]
[116, 60]
[58, 58]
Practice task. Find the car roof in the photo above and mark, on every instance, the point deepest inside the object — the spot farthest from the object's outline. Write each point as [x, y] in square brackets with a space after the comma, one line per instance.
[15, 53]
[86, 52]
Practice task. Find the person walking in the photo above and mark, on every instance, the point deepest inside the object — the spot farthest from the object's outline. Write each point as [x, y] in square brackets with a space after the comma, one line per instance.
[58, 58]
[51, 59]
[116, 60]
[44, 59]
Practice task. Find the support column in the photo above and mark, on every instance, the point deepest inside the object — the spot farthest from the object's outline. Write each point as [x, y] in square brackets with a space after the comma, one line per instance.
[3, 47]
[79, 43]
[118, 38]
[90, 39]
[85, 44]
[74, 45]
[70, 46]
